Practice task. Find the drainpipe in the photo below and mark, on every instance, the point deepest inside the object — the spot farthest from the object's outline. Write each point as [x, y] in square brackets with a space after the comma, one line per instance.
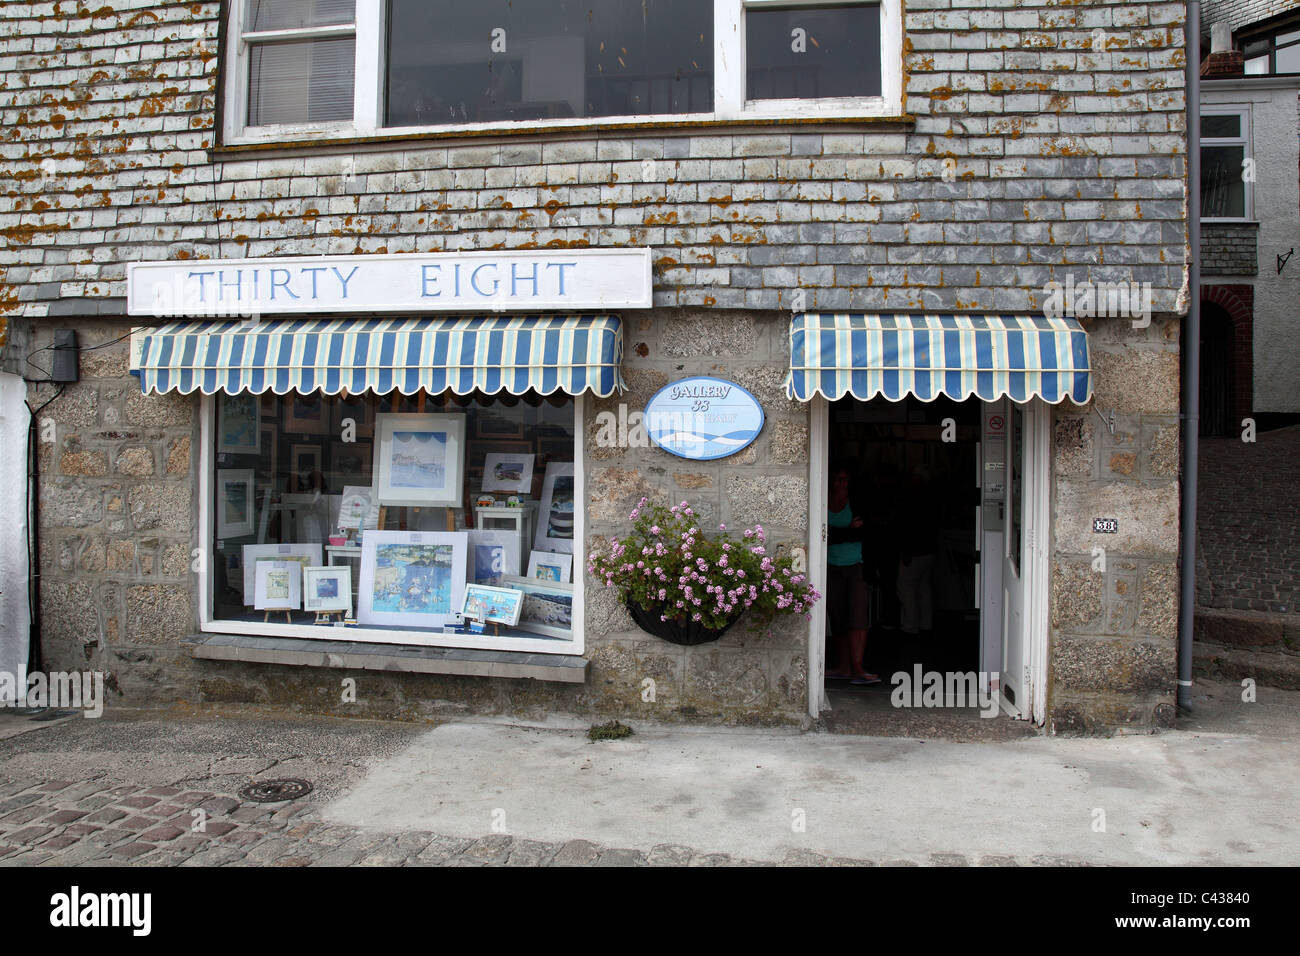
[1191, 361]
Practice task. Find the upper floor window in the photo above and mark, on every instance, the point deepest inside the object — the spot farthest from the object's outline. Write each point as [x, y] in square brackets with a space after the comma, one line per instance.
[1225, 156]
[1277, 52]
[366, 67]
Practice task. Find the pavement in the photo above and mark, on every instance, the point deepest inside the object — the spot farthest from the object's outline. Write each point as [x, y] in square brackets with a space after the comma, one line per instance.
[161, 788]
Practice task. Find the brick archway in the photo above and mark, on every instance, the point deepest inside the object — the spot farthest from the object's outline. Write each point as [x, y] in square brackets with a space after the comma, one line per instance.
[1238, 301]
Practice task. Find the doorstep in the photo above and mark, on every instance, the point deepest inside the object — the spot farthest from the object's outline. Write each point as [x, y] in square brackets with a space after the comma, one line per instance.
[404, 658]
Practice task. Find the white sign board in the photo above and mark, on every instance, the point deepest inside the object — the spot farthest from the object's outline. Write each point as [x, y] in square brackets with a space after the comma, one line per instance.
[574, 279]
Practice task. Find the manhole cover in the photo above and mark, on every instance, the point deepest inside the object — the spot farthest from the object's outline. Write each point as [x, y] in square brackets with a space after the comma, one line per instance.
[274, 791]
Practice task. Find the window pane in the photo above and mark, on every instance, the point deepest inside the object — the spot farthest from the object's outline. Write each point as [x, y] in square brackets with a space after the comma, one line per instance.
[1257, 66]
[809, 52]
[493, 60]
[1221, 127]
[1223, 193]
[1288, 59]
[1253, 47]
[305, 82]
[1284, 38]
[293, 14]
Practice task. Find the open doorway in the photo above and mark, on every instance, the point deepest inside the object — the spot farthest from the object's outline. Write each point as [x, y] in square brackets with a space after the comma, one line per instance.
[942, 531]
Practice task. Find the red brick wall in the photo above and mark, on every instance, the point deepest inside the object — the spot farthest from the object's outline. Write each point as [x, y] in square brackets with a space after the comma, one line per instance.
[1239, 302]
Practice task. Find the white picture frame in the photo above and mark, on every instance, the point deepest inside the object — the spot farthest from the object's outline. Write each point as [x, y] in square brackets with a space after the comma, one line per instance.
[327, 589]
[553, 567]
[546, 608]
[398, 588]
[304, 555]
[557, 515]
[236, 502]
[512, 474]
[493, 554]
[358, 508]
[418, 460]
[492, 605]
[278, 586]
[239, 426]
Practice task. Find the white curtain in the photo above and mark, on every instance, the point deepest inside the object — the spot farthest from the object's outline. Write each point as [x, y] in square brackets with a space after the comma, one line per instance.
[15, 623]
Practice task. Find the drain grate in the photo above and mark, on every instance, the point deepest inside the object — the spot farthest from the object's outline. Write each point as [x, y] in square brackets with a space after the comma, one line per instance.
[275, 791]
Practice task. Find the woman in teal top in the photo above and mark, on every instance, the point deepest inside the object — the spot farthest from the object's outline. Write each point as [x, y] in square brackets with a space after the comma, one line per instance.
[847, 598]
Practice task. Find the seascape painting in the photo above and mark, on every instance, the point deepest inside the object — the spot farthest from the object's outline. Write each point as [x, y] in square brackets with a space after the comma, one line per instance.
[240, 432]
[327, 588]
[418, 460]
[412, 579]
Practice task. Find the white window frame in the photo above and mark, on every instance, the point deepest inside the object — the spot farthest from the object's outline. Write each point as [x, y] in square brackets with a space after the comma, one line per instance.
[1245, 141]
[729, 83]
[364, 635]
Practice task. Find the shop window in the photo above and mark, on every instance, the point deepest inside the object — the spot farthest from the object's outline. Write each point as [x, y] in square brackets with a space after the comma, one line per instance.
[1225, 156]
[362, 67]
[395, 514]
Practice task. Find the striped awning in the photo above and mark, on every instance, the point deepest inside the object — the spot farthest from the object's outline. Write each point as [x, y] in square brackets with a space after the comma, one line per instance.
[543, 353]
[960, 356]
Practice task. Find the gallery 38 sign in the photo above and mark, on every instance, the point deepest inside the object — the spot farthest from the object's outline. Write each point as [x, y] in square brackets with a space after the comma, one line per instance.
[433, 282]
[703, 418]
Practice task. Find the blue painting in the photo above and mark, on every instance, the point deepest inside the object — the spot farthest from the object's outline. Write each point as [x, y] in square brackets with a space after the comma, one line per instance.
[489, 562]
[418, 460]
[327, 588]
[412, 579]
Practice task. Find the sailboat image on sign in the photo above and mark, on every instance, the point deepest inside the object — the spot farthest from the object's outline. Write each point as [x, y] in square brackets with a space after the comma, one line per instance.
[703, 418]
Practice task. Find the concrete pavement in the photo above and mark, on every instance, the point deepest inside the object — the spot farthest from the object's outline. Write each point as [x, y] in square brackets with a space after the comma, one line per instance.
[123, 789]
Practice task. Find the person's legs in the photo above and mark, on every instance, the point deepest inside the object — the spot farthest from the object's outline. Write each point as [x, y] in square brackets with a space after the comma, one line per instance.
[859, 620]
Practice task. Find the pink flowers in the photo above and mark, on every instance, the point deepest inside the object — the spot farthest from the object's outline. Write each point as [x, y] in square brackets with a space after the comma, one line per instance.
[710, 578]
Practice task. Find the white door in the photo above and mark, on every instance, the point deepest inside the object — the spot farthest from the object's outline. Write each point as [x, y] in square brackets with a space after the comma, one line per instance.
[1015, 663]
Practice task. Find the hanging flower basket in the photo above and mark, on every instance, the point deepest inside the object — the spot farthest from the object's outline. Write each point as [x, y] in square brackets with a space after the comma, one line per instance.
[680, 630]
[702, 583]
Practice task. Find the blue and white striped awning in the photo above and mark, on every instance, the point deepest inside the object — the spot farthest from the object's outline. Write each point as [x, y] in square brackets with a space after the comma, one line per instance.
[960, 356]
[543, 353]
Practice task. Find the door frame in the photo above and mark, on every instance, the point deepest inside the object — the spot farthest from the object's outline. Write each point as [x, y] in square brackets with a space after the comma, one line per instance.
[1037, 531]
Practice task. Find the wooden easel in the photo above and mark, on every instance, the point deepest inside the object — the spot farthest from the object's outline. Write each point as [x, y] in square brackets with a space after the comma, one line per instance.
[266, 617]
[327, 617]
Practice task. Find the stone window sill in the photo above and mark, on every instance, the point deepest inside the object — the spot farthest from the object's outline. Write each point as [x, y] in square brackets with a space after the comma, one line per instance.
[403, 658]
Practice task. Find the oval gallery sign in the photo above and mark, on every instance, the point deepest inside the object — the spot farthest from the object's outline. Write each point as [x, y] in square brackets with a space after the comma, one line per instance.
[703, 418]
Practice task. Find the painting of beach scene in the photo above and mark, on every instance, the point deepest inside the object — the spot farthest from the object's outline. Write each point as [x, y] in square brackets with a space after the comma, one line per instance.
[512, 474]
[411, 578]
[547, 608]
[418, 460]
[239, 432]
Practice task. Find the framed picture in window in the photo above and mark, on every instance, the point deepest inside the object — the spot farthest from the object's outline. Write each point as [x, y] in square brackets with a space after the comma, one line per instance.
[359, 411]
[327, 589]
[303, 555]
[492, 425]
[556, 515]
[358, 509]
[236, 502]
[493, 554]
[304, 460]
[278, 586]
[306, 413]
[418, 460]
[239, 429]
[546, 608]
[269, 465]
[412, 579]
[492, 605]
[550, 567]
[352, 459]
[512, 474]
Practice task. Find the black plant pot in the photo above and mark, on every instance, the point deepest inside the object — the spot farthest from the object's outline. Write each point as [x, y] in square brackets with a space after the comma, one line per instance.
[688, 632]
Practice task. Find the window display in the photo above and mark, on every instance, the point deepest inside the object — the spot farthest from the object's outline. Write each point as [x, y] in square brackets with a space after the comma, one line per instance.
[370, 504]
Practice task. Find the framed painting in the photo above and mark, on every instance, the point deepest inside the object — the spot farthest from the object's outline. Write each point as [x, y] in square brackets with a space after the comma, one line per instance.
[556, 515]
[239, 430]
[512, 474]
[412, 579]
[418, 460]
[303, 555]
[351, 459]
[551, 567]
[546, 608]
[358, 509]
[278, 586]
[304, 460]
[359, 411]
[492, 605]
[493, 425]
[306, 414]
[269, 465]
[327, 589]
[493, 554]
[236, 503]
